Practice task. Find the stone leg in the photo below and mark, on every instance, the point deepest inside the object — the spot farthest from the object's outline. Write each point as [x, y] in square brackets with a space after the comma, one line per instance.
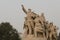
[54, 35]
[35, 33]
[50, 36]
[30, 29]
[25, 32]
[46, 34]
[32, 26]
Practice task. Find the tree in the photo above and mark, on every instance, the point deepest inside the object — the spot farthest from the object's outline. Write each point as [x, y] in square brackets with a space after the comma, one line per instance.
[7, 32]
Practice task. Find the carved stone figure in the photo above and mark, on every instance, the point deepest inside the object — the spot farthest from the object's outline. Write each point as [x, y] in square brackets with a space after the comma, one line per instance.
[36, 27]
[52, 32]
[43, 17]
[26, 32]
[46, 26]
[29, 19]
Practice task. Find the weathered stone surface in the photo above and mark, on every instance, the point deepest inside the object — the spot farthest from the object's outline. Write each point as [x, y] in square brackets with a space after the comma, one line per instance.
[37, 27]
[31, 37]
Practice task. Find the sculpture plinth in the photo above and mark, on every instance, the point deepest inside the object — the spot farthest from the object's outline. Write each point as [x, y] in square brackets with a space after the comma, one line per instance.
[37, 28]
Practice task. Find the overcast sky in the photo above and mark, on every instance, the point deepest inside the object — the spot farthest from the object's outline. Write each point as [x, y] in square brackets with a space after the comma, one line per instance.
[10, 11]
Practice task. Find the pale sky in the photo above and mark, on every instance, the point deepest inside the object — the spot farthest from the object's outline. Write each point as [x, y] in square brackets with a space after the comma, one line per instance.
[10, 11]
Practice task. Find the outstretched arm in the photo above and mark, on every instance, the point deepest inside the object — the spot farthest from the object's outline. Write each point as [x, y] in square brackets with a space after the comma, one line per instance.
[24, 9]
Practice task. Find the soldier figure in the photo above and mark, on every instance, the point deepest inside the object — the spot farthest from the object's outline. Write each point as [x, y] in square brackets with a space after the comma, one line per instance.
[52, 32]
[38, 27]
[25, 27]
[29, 19]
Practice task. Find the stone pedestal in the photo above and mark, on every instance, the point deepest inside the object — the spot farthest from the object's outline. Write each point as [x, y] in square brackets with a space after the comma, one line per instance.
[31, 37]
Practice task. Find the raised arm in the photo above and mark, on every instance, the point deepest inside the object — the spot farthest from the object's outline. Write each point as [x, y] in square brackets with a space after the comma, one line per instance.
[24, 9]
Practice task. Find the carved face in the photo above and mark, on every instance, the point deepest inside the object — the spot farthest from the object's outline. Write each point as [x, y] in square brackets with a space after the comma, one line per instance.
[51, 24]
[29, 10]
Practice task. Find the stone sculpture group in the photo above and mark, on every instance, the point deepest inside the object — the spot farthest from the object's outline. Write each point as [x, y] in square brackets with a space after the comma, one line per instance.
[37, 26]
